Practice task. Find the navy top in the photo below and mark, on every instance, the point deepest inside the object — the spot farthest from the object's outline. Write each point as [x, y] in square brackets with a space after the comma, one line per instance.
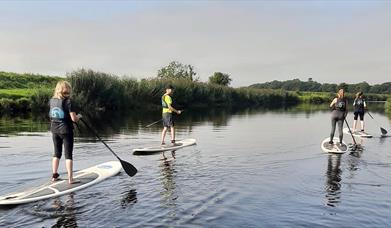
[60, 119]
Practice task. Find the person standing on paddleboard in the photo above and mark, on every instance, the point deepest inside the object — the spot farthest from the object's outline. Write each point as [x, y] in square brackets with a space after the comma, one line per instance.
[360, 106]
[62, 116]
[167, 118]
[338, 114]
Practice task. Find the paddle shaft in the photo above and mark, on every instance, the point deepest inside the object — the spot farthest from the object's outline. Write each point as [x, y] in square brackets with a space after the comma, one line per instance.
[350, 131]
[96, 135]
[129, 168]
[153, 123]
[156, 122]
[383, 131]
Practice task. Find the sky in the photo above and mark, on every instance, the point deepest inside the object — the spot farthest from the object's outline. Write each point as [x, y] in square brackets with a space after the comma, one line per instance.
[253, 41]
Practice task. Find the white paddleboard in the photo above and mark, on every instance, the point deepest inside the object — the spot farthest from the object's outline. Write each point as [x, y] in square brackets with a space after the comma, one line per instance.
[362, 134]
[85, 178]
[168, 147]
[335, 148]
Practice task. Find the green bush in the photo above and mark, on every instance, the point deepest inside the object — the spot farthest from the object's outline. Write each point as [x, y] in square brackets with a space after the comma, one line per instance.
[40, 99]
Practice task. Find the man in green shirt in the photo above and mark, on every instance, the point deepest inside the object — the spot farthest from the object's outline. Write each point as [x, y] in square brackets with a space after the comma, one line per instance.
[168, 121]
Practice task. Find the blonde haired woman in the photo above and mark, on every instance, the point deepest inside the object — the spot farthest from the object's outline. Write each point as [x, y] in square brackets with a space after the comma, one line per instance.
[339, 105]
[62, 116]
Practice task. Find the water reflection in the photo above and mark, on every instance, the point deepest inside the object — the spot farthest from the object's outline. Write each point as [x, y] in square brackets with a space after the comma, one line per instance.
[169, 195]
[129, 199]
[333, 179]
[66, 212]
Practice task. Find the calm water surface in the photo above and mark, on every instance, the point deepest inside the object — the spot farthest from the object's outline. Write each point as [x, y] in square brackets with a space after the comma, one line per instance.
[249, 169]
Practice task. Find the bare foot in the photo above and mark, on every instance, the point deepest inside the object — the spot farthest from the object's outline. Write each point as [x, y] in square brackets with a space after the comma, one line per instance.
[72, 181]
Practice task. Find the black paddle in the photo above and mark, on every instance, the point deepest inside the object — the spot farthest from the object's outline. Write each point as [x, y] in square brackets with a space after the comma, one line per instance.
[354, 140]
[156, 122]
[129, 168]
[153, 123]
[383, 131]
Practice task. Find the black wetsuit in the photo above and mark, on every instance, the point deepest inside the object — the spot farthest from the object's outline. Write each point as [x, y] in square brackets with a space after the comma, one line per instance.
[61, 127]
[338, 116]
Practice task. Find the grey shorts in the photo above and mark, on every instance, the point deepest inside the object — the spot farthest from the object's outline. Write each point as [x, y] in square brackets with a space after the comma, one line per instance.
[168, 121]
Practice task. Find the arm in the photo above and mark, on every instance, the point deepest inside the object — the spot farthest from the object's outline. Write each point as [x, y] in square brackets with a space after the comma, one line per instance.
[173, 109]
[74, 117]
[333, 103]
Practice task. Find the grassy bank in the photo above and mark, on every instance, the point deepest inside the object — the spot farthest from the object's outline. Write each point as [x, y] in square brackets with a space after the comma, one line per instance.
[388, 106]
[94, 91]
[21, 93]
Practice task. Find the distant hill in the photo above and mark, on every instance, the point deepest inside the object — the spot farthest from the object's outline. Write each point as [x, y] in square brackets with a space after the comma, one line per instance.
[313, 86]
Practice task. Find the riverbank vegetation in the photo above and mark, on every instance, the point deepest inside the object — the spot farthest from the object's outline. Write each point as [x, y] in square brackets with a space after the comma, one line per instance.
[97, 91]
[312, 86]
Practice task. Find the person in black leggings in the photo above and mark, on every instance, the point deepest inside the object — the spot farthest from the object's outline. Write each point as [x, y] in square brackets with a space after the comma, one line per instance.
[360, 106]
[62, 116]
[338, 114]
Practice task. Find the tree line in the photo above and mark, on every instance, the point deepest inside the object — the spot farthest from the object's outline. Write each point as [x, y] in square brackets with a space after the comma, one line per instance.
[313, 86]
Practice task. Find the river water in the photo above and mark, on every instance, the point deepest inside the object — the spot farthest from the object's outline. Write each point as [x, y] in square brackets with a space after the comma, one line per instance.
[258, 168]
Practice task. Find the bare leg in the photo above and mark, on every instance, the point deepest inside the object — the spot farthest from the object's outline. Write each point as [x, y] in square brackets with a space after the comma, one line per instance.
[55, 163]
[172, 130]
[69, 165]
[164, 134]
[362, 125]
[354, 125]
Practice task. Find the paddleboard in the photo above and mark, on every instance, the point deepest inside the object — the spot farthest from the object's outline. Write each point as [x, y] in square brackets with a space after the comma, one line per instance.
[362, 134]
[169, 147]
[335, 148]
[84, 179]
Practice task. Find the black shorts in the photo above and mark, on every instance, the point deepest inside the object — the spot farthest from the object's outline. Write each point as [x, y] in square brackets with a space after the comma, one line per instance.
[356, 114]
[58, 141]
[168, 120]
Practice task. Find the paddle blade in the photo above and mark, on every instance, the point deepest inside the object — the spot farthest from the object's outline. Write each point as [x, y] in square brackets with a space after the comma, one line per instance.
[129, 168]
[383, 131]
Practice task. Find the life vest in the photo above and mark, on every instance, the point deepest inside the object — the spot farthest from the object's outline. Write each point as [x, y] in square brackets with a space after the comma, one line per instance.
[164, 104]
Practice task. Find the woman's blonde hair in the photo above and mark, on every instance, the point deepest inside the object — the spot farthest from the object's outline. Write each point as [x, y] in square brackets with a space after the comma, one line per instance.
[62, 88]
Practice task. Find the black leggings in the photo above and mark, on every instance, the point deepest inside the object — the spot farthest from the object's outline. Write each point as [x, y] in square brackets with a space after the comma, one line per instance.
[337, 117]
[361, 114]
[58, 141]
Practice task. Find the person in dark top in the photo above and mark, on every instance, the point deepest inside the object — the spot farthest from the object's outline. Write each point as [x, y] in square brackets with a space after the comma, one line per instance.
[360, 106]
[62, 115]
[338, 114]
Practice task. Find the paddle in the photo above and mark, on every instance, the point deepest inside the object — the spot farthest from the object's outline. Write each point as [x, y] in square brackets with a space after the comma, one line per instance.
[354, 140]
[383, 131]
[156, 122]
[153, 123]
[129, 168]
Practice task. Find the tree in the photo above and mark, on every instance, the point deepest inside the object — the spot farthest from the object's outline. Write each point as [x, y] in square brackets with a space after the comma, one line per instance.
[177, 70]
[220, 79]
